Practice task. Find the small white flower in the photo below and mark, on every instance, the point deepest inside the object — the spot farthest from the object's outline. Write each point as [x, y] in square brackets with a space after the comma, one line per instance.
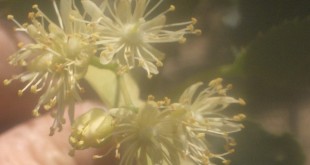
[56, 61]
[126, 29]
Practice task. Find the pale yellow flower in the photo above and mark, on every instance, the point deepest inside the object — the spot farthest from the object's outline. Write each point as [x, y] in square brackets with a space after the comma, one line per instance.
[56, 61]
[162, 132]
[148, 137]
[138, 136]
[203, 116]
[126, 30]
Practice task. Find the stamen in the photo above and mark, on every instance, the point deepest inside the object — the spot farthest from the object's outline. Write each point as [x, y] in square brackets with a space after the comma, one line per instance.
[153, 8]
[11, 17]
[35, 112]
[242, 102]
[7, 82]
[41, 14]
[58, 14]
[182, 40]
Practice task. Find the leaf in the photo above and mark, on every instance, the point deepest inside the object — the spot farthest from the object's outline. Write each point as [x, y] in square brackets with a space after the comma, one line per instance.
[105, 84]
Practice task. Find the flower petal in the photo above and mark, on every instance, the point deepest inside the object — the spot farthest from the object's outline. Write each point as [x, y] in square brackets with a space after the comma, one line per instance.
[123, 11]
[92, 9]
[187, 96]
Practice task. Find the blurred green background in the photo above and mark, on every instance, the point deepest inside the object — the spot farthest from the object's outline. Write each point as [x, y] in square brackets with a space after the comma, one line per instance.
[262, 47]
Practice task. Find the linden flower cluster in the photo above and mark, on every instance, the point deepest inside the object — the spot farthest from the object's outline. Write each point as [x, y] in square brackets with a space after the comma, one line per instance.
[120, 33]
[162, 132]
[56, 61]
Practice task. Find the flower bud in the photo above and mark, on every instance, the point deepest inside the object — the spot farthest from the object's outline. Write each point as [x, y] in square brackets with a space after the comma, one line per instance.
[91, 129]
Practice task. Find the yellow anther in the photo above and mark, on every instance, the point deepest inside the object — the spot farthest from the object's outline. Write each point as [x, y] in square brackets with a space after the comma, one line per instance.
[167, 101]
[200, 135]
[100, 140]
[59, 67]
[226, 162]
[47, 107]
[194, 21]
[37, 14]
[31, 15]
[20, 92]
[97, 156]
[242, 102]
[197, 32]
[221, 91]
[190, 27]
[229, 86]
[20, 44]
[22, 63]
[160, 103]
[33, 89]
[71, 17]
[72, 140]
[35, 112]
[80, 143]
[7, 82]
[232, 143]
[239, 117]
[215, 82]
[182, 40]
[35, 6]
[159, 64]
[150, 98]
[10, 17]
[172, 8]
[231, 151]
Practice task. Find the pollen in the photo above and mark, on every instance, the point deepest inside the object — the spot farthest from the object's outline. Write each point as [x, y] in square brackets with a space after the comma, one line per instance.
[20, 44]
[10, 17]
[226, 162]
[182, 40]
[242, 102]
[20, 92]
[194, 21]
[172, 8]
[7, 82]
[35, 6]
[31, 15]
[197, 32]
[35, 112]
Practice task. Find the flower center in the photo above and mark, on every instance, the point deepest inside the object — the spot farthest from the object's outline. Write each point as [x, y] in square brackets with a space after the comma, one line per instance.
[132, 34]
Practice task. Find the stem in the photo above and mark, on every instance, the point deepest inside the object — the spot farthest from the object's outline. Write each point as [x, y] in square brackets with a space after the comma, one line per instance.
[58, 15]
[118, 92]
[94, 61]
[125, 92]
